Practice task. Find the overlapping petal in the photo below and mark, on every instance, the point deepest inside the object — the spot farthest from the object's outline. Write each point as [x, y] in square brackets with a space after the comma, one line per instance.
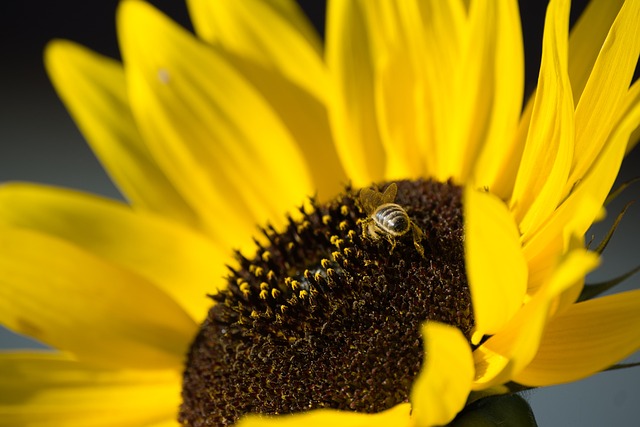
[275, 34]
[180, 262]
[396, 416]
[586, 39]
[49, 390]
[584, 205]
[273, 45]
[496, 164]
[439, 32]
[632, 100]
[398, 85]
[350, 58]
[93, 89]
[215, 137]
[76, 302]
[587, 338]
[547, 155]
[442, 388]
[489, 65]
[496, 267]
[305, 117]
[602, 99]
[513, 347]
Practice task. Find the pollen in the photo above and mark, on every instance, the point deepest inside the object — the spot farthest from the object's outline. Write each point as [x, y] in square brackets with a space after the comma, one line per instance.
[334, 323]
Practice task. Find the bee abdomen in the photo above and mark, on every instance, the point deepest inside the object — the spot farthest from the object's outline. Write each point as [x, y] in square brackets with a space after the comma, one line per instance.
[392, 219]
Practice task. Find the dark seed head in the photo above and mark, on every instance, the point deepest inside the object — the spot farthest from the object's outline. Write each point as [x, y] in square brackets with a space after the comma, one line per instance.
[324, 317]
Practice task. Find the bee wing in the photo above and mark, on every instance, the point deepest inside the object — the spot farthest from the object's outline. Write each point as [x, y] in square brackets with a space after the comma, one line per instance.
[389, 194]
[370, 199]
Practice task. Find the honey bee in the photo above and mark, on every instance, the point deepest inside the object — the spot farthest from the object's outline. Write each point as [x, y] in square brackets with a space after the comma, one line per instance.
[387, 219]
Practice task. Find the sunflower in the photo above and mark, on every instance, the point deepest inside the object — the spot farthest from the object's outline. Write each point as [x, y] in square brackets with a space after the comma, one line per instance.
[418, 106]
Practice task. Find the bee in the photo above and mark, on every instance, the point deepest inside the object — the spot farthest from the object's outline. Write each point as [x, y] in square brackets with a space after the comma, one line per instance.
[387, 219]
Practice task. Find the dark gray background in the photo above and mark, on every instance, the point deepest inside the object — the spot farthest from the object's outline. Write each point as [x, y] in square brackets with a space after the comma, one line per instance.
[39, 142]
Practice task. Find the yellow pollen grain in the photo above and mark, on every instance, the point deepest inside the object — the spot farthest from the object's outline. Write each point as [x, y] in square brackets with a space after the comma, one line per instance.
[304, 225]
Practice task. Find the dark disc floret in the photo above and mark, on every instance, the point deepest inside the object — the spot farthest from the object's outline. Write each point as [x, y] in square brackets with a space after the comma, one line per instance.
[325, 316]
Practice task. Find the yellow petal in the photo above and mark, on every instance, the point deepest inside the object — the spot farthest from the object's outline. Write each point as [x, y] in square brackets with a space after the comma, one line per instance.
[507, 77]
[470, 103]
[496, 268]
[602, 99]
[93, 90]
[166, 423]
[492, 368]
[307, 120]
[549, 148]
[274, 46]
[586, 338]
[219, 141]
[350, 60]
[513, 348]
[57, 293]
[586, 38]
[514, 147]
[398, 416]
[440, 31]
[549, 244]
[487, 87]
[632, 100]
[183, 264]
[275, 34]
[48, 390]
[584, 205]
[399, 100]
[444, 383]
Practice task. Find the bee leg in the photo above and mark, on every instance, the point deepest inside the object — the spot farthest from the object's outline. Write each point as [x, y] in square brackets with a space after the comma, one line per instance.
[417, 238]
[393, 244]
[365, 228]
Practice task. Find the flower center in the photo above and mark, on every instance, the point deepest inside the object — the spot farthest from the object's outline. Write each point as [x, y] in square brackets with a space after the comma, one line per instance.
[327, 314]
